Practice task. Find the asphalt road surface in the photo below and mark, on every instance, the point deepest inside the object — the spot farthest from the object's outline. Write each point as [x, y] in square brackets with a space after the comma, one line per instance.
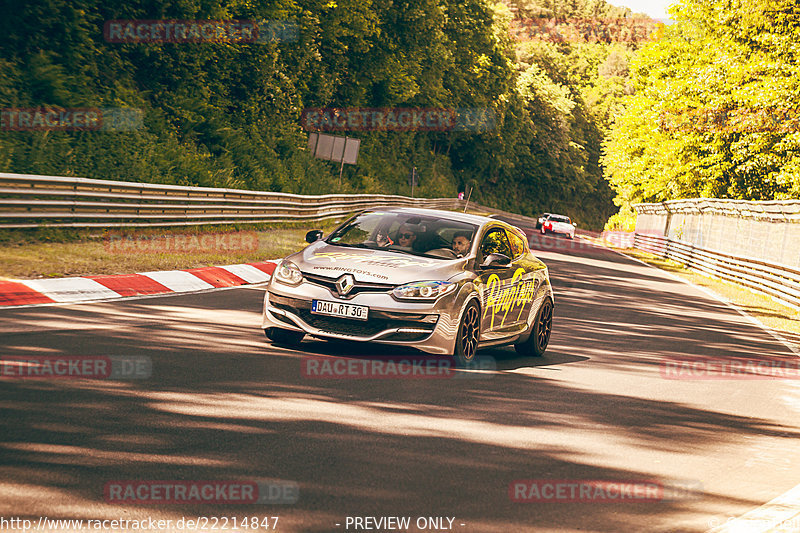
[222, 403]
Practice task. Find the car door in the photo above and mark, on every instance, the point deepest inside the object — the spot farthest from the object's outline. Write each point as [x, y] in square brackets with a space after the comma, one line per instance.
[496, 286]
[524, 280]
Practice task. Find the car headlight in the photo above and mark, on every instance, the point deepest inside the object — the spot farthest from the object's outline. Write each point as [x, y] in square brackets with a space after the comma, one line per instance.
[424, 290]
[288, 273]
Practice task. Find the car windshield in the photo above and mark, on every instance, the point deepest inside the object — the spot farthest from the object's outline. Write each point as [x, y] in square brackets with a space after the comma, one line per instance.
[556, 218]
[425, 235]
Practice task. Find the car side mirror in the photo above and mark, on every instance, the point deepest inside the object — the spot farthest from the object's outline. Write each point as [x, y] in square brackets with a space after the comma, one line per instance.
[496, 261]
[313, 236]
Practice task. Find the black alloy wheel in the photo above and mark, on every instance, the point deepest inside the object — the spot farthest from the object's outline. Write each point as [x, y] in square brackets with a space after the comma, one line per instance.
[468, 335]
[540, 335]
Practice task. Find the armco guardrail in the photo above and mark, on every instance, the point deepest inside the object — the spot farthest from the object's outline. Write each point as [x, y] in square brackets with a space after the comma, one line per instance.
[780, 281]
[768, 231]
[770, 210]
[28, 201]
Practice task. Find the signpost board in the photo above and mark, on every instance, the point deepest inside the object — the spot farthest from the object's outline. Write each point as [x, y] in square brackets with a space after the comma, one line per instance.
[334, 148]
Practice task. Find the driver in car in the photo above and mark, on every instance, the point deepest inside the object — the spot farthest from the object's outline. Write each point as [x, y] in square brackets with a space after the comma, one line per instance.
[406, 237]
[460, 244]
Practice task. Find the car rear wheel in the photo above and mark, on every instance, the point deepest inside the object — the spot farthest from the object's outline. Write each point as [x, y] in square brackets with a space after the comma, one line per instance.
[468, 335]
[540, 334]
[284, 336]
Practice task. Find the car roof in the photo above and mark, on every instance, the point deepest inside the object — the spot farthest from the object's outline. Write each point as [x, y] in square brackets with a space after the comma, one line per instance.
[450, 215]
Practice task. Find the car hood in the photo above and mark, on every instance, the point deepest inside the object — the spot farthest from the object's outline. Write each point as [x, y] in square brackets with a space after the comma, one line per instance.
[374, 266]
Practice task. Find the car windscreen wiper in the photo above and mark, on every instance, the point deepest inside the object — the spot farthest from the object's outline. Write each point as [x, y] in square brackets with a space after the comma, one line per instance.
[346, 245]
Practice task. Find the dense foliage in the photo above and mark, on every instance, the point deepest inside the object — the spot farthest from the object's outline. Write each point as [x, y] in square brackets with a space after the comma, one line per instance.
[714, 113]
[228, 114]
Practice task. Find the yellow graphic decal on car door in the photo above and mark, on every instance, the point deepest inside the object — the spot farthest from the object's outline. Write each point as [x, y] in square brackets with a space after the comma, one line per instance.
[517, 293]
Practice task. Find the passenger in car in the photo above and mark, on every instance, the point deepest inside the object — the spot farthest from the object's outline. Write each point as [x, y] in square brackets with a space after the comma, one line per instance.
[383, 240]
[461, 243]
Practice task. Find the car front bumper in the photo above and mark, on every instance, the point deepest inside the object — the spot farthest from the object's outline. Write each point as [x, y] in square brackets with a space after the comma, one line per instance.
[427, 326]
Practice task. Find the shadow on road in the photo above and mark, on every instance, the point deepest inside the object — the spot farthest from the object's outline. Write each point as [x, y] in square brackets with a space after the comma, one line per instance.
[223, 403]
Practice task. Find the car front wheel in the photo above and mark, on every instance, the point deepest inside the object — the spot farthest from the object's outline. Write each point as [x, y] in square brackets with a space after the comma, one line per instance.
[284, 336]
[540, 334]
[468, 335]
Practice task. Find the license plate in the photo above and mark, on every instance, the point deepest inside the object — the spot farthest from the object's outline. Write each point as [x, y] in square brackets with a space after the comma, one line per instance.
[358, 312]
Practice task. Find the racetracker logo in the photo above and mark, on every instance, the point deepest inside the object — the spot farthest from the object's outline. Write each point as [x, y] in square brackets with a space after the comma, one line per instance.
[199, 31]
[203, 243]
[701, 369]
[584, 30]
[414, 367]
[191, 492]
[109, 119]
[75, 367]
[619, 239]
[397, 119]
[559, 243]
[600, 491]
[553, 243]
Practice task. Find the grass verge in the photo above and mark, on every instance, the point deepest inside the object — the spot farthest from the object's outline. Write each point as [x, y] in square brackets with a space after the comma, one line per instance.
[47, 253]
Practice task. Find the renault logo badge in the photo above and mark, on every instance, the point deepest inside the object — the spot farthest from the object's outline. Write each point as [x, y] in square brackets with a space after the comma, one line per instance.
[345, 284]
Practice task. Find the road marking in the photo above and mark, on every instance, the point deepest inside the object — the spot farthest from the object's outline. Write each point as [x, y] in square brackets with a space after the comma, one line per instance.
[17, 294]
[248, 273]
[773, 516]
[71, 289]
[30, 293]
[782, 513]
[178, 280]
[128, 298]
[130, 284]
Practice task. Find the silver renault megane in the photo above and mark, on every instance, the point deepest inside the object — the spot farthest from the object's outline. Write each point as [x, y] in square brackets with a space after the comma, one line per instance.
[441, 282]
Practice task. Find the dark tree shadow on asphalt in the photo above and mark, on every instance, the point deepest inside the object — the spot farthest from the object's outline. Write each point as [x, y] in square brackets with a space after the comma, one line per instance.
[223, 403]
